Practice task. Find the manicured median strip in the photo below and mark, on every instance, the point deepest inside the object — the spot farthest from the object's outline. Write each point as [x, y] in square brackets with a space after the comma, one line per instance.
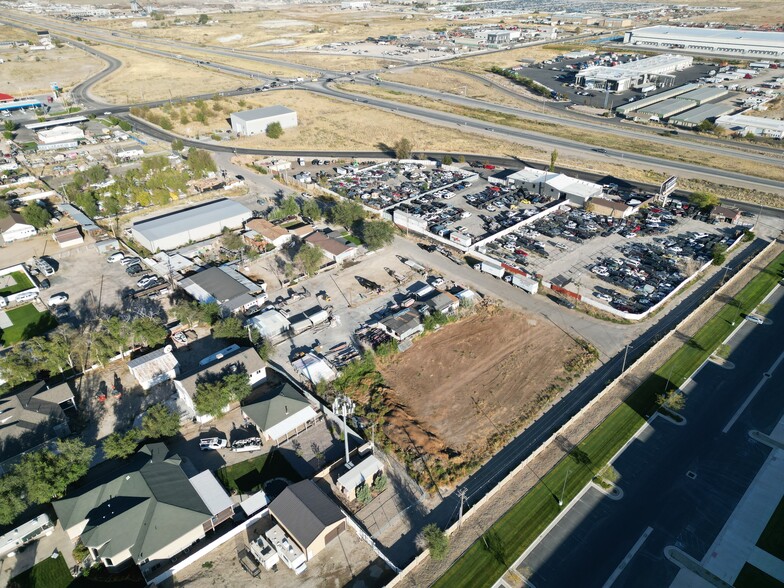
[490, 556]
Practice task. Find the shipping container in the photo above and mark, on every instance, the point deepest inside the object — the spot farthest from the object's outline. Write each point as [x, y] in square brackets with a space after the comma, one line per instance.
[492, 268]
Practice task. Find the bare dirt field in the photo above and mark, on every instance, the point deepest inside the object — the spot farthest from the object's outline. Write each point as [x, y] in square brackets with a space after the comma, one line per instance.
[481, 63]
[463, 383]
[451, 81]
[14, 34]
[342, 63]
[144, 77]
[26, 72]
[336, 124]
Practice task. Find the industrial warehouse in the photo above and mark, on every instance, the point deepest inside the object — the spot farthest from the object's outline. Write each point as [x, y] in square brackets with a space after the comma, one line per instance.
[256, 121]
[724, 42]
[197, 223]
[655, 70]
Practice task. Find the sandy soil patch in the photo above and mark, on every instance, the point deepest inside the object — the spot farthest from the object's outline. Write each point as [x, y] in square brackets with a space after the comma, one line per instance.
[334, 62]
[14, 34]
[450, 81]
[144, 77]
[230, 38]
[481, 63]
[31, 73]
[468, 380]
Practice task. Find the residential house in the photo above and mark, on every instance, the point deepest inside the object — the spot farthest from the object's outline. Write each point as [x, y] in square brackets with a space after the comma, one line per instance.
[155, 367]
[402, 324]
[300, 230]
[242, 360]
[226, 286]
[270, 233]
[34, 415]
[14, 227]
[335, 247]
[147, 513]
[443, 302]
[280, 414]
[306, 517]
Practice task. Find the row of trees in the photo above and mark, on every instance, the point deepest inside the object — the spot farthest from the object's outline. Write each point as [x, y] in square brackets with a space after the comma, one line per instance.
[66, 349]
[159, 422]
[41, 476]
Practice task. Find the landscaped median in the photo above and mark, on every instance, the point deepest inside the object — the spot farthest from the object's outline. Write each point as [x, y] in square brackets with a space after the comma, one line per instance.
[492, 554]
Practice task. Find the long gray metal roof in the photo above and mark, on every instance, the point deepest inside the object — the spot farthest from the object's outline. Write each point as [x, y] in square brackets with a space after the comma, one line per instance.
[699, 114]
[257, 113]
[174, 223]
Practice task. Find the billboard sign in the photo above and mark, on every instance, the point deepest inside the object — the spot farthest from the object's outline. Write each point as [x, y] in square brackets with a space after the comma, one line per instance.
[668, 186]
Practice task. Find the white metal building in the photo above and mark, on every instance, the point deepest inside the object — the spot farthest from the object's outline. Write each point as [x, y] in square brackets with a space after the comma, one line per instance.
[256, 121]
[720, 42]
[634, 74]
[197, 223]
[756, 125]
[60, 135]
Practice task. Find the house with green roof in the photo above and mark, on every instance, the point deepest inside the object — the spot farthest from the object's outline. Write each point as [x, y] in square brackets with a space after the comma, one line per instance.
[146, 513]
[281, 414]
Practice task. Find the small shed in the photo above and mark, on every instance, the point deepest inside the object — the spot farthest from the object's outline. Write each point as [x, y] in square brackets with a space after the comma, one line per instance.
[270, 324]
[314, 368]
[108, 246]
[725, 214]
[154, 367]
[364, 472]
[68, 237]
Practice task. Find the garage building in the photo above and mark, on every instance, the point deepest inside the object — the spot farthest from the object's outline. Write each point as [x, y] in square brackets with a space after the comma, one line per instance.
[665, 109]
[719, 42]
[634, 74]
[197, 223]
[693, 118]
[256, 121]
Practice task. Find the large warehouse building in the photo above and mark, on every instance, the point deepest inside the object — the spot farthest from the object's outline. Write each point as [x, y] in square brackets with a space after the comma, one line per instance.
[169, 231]
[719, 42]
[656, 70]
[256, 121]
[743, 124]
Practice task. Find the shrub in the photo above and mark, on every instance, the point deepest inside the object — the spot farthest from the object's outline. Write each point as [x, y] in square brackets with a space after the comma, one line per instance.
[363, 494]
[274, 130]
[436, 540]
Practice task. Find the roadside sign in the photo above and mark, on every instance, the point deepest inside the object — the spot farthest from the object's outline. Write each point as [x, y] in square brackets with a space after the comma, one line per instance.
[668, 186]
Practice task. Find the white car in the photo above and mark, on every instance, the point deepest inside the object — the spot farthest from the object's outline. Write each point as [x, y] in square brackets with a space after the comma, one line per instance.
[212, 443]
[57, 299]
[146, 281]
[755, 319]
[115, 257]
[126, 261]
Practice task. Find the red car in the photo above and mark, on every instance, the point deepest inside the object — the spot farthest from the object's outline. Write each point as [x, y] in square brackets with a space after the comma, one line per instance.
[489, 166]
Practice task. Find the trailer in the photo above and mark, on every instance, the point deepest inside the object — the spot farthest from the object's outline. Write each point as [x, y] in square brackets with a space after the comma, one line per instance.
[492, 268]
[527, 284]
[251, 444]
[415, 266]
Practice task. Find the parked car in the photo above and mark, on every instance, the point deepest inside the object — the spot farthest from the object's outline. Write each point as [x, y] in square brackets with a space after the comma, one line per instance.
[211, 443]
[134, 269]
[129, 261]
[755, 319]
[44, 284]
[115, 257]
[146, 281]
[57, 299]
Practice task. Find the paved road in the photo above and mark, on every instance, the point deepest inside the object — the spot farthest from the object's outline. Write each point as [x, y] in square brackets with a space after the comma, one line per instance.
[595, 536]
[433, 116]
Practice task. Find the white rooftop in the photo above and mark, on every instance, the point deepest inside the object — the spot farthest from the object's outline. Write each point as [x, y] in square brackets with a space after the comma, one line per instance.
[569, 185]
[360, 473]
[314, 368]
[743, 120]
[211, 492]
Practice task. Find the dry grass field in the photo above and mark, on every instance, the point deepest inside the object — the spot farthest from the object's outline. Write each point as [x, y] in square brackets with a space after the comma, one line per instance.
[481, 63]
[14, 34]
[450, 81]
[26, 72]
[330, 124]
[343, 63]
[145, 77]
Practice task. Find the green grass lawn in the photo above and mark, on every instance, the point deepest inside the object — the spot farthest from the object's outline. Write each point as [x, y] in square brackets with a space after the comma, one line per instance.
[489, 557]
[351, 238]
[772, 538]
[22, 283]
[751, 577]
[28, 323]
[250, 475]
[50, 573]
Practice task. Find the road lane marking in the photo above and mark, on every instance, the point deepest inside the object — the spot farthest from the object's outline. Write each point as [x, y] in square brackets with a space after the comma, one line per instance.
[622, 566]
[751, 396]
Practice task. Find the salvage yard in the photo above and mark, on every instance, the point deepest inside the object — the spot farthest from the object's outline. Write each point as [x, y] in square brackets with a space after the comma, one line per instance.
[475, 388]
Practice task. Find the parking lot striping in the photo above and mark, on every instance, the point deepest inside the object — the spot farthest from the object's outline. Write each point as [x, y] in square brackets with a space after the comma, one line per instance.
[754, 392]
[622, 566]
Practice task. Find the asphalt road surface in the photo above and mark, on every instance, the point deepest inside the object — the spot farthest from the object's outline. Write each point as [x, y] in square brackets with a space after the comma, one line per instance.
[681, 481]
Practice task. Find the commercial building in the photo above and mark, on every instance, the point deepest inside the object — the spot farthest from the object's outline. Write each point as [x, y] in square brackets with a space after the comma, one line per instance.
[14, 227]
[664, 109]
[155, 367]
[743, 124]
[59, 138]
[256, 121]
[725, 214]
[554, 185]
[281, 414]
[226, 286]
[402, 324]
[147, 514]
[629, 108]
[719, 42]
[197, 223]
[695, 117]
[703, 95]
[270, 324]
[611, 208]
[656, 70]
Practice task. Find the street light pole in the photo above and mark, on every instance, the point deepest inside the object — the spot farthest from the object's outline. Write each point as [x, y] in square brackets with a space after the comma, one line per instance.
[566, 477]
[625, 353]
[344, 406]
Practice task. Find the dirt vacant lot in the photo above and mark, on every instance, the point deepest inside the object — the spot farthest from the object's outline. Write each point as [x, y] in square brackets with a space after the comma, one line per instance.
[26, 73]
[456, 388]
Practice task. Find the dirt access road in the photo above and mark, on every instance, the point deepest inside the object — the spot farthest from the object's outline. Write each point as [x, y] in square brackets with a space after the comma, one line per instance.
[457, 387]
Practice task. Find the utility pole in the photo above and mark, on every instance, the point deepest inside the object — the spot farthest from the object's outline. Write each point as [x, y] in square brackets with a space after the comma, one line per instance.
[461, 494]
[344, 406]
[625, 353]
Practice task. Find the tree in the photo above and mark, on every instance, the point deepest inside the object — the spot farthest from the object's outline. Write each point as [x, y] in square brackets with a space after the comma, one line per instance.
[346, 213]
[673, 400]
[177, 144]
[704, 200]
[311, 209]
[748, 235]
[229, 328]
[149, 332]
[719, 254]
[122, 446]
[96, 174]
[380, 483]
[403, 148]
[17, 366]
[436, 540]
[46, 474]
[274, 130]
[363, 494]
[5, 209]
[209, 312]
[553, 159]
[203, 19]
[200, 163]
[288, 206]
[706, 126]
[231, 240]
[377, 233]
[446, 159]
[187, 311]
[36, 215]
[86, 200]
[213, 396]
[160, 421]
[11, 502]
[265, 349]
[9, 126]
[309, 258]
